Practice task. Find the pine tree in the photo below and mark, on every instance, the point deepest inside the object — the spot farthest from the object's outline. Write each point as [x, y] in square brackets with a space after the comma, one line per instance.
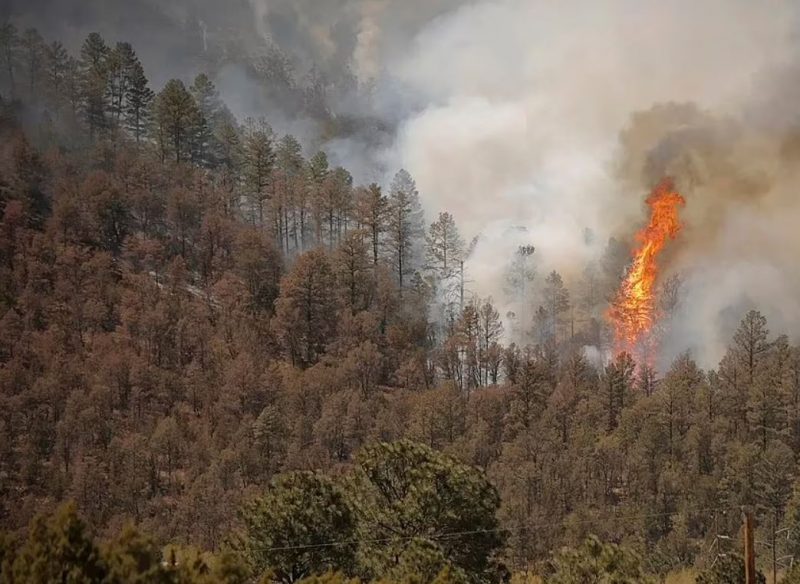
[200, 140]
[289, 169]
[56, 65]
[259, 162]
[121, 61]
[207, 98]
[229, 153]
[9, 54]
[341, 202]
[289, 155]
[94, 79]
[445, 248]
[595, 561]
[519, 278]
[58, 549]
[284, 527]
[371, 207]
[174, 115]
[332, 199]
[404, 226]
[33, 51]
[317, 172]
[73, 87]
[769, 396]
[490, 332]
[211, 121]
[406, 493]
[138, 101]
[352, 266]
[742, 367]
[555, 301]
[616, 385]
[306, 310]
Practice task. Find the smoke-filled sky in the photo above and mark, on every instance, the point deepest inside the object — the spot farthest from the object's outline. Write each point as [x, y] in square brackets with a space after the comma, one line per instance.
[532, 121]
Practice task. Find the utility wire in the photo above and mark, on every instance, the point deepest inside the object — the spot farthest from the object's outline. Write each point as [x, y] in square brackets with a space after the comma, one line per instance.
[455, 534]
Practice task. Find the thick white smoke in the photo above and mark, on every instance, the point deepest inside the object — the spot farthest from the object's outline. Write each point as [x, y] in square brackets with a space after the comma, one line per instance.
[520, 117]
[526, 102]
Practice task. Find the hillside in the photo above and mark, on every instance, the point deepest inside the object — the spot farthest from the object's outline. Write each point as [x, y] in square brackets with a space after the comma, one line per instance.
[216, 336]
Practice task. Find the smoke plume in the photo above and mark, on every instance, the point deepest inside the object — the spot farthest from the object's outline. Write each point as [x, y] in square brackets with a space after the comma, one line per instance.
[561, 117]
[533, 122]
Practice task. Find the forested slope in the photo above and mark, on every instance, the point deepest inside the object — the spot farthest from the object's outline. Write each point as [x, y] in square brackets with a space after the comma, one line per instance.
[192, 306]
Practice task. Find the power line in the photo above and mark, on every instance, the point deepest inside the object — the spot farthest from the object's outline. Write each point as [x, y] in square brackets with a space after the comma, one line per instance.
[455, 534]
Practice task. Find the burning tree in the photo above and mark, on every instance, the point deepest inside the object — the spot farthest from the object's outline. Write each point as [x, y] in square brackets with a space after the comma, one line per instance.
[635, 309]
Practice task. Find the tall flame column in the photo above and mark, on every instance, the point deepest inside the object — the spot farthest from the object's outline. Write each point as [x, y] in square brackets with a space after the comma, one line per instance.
[634, 310]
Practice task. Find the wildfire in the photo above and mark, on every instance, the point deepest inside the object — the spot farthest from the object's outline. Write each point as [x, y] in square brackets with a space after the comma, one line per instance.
[634, 310]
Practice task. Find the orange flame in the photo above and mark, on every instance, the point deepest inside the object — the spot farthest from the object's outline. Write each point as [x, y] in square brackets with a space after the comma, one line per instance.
[634, 311]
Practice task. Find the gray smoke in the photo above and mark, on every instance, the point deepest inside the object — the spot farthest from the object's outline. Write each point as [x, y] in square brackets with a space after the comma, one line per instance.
[546, 115]
[531, 121]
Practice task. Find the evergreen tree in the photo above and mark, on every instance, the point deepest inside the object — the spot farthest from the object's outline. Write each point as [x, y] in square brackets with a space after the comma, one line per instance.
[73, 86]
[229, 152]
[555, 298]
[287, 530]
[175, 112]
[339, 203]
[317, 172]
[200, 140]
[768, 399]
[742, 367]
[58, 549]
[728, 569]
[370, 211]
[490, 333]
[519, 278]
[353, 271]
[120, 64]
[259, 162]
[445, 248]
[408, 493]
[206, 96]
[306, 310]
[9, 55]
[215, 120]
[404, 226]
[595, 561]
[617, 384]
[56, 65]
[138, 101]
[289, 165]
[33, 54]
[94, 80]
[289, 156]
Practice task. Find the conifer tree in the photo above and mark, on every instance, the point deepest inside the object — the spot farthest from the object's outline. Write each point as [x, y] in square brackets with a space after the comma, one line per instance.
[94, 79]
[214, 120]
[33, 52]
[56, 66]
[556, 302]
[121, 61]
[445, 248]
[371, 207]
[404, 226]
[259, 161]
[9, 54]
[138, 102]
[175, 112]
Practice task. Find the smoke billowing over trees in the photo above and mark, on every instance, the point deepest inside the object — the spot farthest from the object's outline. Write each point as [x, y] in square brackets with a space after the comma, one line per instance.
[355, 327]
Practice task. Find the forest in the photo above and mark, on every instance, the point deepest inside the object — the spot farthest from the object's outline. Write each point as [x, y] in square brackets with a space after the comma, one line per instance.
[221, 360]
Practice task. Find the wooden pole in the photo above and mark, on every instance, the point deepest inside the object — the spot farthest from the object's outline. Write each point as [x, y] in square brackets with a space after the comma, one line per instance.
[774, 548]
[749, 549]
